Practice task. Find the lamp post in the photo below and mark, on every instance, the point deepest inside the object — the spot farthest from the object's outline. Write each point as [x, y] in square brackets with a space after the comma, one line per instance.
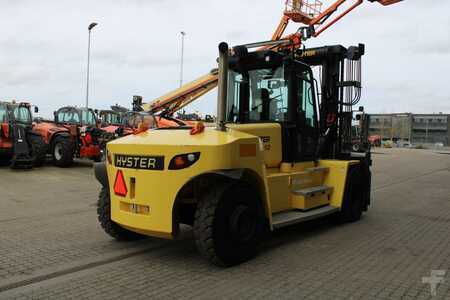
[183, 34]
[92, 25]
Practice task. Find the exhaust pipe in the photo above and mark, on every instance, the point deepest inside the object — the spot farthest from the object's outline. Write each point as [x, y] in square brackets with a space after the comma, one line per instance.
[223, 86]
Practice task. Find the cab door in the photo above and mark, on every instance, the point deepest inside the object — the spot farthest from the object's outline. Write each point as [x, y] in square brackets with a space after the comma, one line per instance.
[307, 125]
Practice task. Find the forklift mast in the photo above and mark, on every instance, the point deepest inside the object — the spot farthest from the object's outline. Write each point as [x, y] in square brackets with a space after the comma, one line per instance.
[340, 90]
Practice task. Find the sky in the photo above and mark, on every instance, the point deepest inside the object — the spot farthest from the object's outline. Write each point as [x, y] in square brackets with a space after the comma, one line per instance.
[136, 49]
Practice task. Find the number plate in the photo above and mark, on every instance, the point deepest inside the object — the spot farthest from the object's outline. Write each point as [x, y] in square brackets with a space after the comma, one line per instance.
[139, 162]
[135, 208]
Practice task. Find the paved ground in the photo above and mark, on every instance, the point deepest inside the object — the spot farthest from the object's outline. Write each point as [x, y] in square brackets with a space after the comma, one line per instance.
[52, 247]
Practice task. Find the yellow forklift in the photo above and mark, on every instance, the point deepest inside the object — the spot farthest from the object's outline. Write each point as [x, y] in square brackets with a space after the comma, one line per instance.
[280, 154]
[277, 157]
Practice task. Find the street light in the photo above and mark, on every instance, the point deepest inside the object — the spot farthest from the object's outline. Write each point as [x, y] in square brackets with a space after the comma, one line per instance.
[92, 25]
[182, 57]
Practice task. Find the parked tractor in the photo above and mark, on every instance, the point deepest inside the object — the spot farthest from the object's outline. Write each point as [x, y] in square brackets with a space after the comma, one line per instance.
[119, 122]
[20, 145]
[74, 133]
[115, 121]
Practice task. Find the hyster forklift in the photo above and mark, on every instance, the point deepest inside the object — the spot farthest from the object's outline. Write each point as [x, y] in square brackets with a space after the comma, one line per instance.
[281, 154]
[20, 145]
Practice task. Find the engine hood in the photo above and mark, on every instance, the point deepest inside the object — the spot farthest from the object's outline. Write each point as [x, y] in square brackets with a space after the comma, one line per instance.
[181, 137]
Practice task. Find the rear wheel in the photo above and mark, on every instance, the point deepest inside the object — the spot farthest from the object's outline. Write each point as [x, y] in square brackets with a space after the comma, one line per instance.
[109, 226]
[229, 223]
[5, 159]
[38, 149]
[62, 151]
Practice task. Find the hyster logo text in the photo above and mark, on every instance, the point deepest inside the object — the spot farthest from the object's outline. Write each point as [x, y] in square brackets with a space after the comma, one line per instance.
[139, 162]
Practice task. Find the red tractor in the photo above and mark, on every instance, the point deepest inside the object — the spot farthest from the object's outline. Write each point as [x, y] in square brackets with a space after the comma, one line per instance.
[119, 121]
[74, 133]
[20, 145]
[115, 121]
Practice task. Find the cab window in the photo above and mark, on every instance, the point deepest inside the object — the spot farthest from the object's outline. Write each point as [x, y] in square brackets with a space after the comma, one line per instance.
[88, 118]
[3, 113]
[22, 114]
[268, 96]
[306, 99]
[266, 91]
[68, 116]
[111, 118]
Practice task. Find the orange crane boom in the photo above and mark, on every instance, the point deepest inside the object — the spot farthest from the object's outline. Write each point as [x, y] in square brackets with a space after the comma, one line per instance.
[307, 12]
[184, 95]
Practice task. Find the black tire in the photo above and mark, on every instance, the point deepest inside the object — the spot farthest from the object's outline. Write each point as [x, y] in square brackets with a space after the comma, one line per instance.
[5, 159]
[229, 223]
[110, 227]
[62, 151]
[38, 149]
[354, 197]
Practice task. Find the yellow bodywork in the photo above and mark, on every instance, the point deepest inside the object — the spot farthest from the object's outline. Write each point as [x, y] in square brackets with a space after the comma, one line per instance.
[148, 207]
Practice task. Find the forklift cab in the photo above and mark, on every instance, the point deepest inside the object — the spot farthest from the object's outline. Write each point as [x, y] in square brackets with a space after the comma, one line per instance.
[268, 87]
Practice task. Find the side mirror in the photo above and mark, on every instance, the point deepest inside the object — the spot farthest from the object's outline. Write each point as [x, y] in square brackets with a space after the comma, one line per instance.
[36, 109]
[55, 115]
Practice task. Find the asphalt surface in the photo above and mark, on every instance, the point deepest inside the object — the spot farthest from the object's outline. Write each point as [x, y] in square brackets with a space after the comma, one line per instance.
[51, 246]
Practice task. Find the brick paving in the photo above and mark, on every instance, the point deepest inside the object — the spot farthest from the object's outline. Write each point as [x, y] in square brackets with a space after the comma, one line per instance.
[404, 236]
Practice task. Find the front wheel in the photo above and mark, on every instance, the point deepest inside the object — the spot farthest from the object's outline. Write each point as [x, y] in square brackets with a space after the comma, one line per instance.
[109, 226]
[38, 149]
[229, 223]
[62, 151]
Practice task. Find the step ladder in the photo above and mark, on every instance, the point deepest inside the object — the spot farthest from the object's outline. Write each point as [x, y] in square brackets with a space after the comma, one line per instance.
[287, 218]
[307, 198]
[311, 197]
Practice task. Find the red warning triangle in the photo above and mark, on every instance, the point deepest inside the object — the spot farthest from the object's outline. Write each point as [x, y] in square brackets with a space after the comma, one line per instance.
[120, 187]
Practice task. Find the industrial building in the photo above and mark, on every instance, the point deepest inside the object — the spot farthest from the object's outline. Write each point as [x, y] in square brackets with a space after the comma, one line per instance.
[415, 128]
